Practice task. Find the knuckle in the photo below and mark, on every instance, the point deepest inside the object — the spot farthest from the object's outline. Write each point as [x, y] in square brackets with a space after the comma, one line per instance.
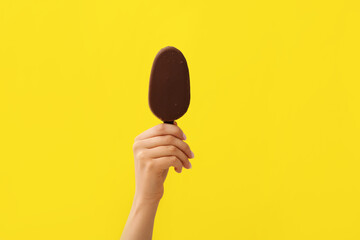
[135, 146]
[161, 127]
[172, 149]
[169, 139]
[173, 160]
[141, 155]
[137, 137]
[178, 131]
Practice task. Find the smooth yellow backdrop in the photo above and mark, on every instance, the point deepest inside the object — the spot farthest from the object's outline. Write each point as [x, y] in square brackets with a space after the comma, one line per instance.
[274, 119]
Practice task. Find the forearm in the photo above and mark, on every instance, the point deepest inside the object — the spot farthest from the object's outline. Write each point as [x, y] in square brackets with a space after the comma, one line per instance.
[140, 223]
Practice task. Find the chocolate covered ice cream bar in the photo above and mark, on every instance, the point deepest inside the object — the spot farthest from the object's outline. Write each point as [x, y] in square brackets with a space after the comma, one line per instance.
[169, 89]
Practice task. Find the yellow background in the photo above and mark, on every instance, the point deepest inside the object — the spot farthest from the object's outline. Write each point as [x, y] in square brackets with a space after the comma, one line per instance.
[274, 119]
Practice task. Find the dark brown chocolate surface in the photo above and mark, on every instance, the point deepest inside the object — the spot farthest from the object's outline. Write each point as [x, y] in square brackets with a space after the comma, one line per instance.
[169, 89]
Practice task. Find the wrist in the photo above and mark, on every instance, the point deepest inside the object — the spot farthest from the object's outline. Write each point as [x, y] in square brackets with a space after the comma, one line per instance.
[141, 200]
[141, 207]
[147, 198]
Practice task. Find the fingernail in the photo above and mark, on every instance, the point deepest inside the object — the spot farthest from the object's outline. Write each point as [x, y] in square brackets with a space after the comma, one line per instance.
[190, 165]
[192, 154]
[184, 136]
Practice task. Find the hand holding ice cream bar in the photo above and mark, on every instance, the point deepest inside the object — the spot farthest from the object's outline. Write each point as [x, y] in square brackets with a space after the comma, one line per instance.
[169, 89]
[162, 146]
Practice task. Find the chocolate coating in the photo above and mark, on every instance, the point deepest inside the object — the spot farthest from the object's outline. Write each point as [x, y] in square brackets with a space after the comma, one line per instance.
[169, 89]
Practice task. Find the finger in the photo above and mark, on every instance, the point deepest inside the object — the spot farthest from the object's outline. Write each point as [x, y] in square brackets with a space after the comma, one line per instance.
[160, 130]
[166, 141]
[169, 161]
[171, 150]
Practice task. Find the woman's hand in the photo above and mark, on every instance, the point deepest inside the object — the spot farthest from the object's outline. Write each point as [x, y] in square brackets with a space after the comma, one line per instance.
[155, 151]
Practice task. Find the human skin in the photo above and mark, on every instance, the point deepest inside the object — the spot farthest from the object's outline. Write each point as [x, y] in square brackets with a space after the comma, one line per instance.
[155, 151]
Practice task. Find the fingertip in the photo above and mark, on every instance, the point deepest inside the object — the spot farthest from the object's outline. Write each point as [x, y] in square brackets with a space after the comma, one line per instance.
[184, 136]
